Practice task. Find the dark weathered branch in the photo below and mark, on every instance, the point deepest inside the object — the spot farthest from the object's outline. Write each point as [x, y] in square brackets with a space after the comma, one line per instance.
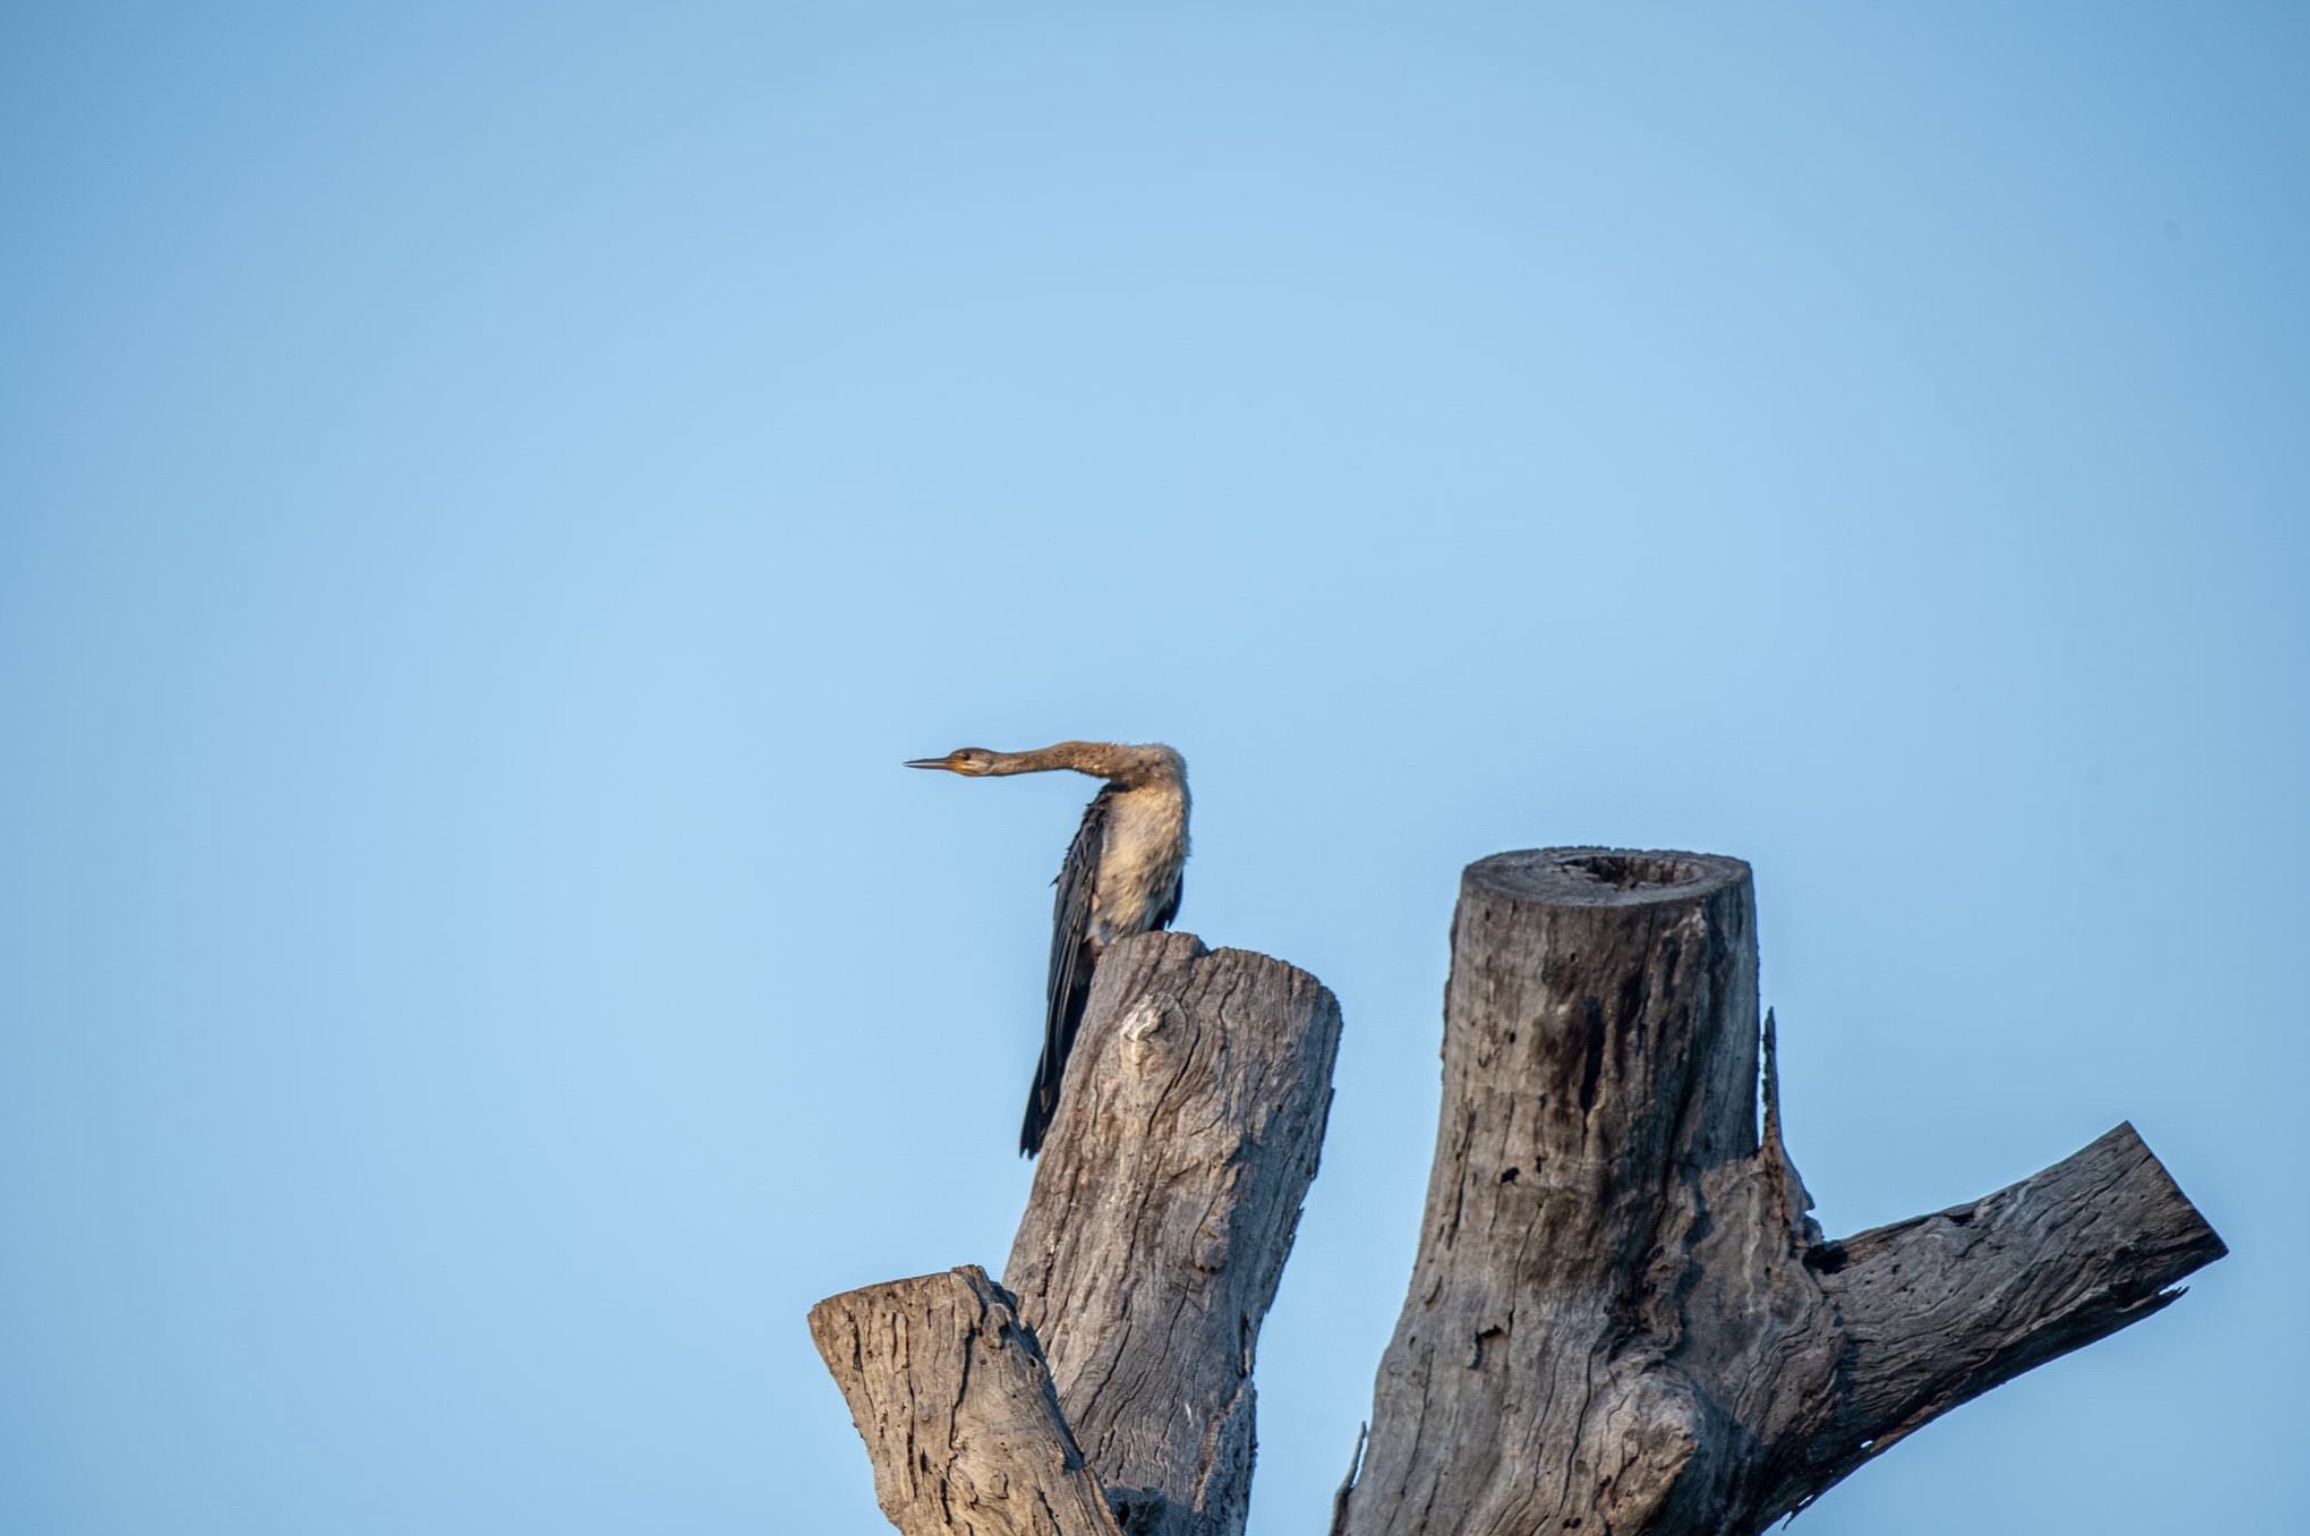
[1163, 1211]
[954, 1402]
[1941, 1308]
[1621, 1318]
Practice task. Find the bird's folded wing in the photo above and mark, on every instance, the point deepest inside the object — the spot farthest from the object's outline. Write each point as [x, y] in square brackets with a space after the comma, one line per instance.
[1072, 955]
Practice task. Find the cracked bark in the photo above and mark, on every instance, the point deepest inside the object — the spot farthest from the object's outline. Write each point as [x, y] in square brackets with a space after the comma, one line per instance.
[1621, 1318]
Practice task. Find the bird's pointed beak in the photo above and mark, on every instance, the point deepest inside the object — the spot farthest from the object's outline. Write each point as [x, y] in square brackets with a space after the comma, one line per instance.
[930, 762]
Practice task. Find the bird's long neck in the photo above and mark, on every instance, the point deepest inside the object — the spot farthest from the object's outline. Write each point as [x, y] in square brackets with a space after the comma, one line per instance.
[1099, 759]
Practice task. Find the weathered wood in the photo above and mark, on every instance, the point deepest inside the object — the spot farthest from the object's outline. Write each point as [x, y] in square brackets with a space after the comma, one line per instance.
[1621, 1318]
[1941, 1308]
[1162, 1212]
[954, 1402]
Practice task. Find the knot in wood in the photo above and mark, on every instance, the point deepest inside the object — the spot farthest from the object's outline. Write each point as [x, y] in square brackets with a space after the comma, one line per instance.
[1145, 1017]
[1140, 1029]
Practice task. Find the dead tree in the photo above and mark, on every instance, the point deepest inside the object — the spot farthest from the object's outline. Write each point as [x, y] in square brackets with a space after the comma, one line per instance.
[1163, 1208]
[1621, 1318]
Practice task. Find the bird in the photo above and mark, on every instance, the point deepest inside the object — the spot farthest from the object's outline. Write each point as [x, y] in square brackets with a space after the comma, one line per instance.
[1122, 875]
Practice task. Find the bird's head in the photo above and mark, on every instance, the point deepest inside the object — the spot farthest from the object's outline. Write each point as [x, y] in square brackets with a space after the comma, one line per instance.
[970, 762]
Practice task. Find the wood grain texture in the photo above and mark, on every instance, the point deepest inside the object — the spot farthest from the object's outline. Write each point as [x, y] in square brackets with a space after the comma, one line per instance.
[1938, 1309]
[1621, 1318]
[1163, 1210]
[953, 1399]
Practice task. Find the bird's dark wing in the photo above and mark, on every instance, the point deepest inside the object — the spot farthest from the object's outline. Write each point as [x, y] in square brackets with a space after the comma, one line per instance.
[1072, 956]
[1170, 908]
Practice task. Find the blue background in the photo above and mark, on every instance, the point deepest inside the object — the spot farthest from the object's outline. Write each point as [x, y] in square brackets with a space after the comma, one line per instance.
[491, 493]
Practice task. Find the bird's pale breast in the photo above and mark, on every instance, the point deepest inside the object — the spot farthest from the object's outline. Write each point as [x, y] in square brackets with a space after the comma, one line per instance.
[1139, 865]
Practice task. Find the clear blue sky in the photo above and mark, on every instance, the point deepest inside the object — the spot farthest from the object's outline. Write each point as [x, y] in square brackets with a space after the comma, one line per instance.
[489, 495]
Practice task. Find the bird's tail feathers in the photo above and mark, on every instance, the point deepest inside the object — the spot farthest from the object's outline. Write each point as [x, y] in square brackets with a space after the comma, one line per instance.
[1051, 1070]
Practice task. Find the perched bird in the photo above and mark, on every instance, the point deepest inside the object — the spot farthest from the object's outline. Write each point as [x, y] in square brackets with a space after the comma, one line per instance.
[1122, 876]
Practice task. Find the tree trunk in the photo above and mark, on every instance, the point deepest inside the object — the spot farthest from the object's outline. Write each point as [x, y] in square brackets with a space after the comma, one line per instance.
[1188, 1131]
[1621, 1318]
[1621, 1321]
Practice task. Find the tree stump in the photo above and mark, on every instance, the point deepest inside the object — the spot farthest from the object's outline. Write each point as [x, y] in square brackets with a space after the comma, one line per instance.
[1163, 1209]
[1621, 1320]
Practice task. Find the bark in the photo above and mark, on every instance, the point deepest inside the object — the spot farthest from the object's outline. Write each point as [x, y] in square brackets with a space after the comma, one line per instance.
[954, 1401]
[1163, 1210]
[1621, 1318]
[1938, 1309]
